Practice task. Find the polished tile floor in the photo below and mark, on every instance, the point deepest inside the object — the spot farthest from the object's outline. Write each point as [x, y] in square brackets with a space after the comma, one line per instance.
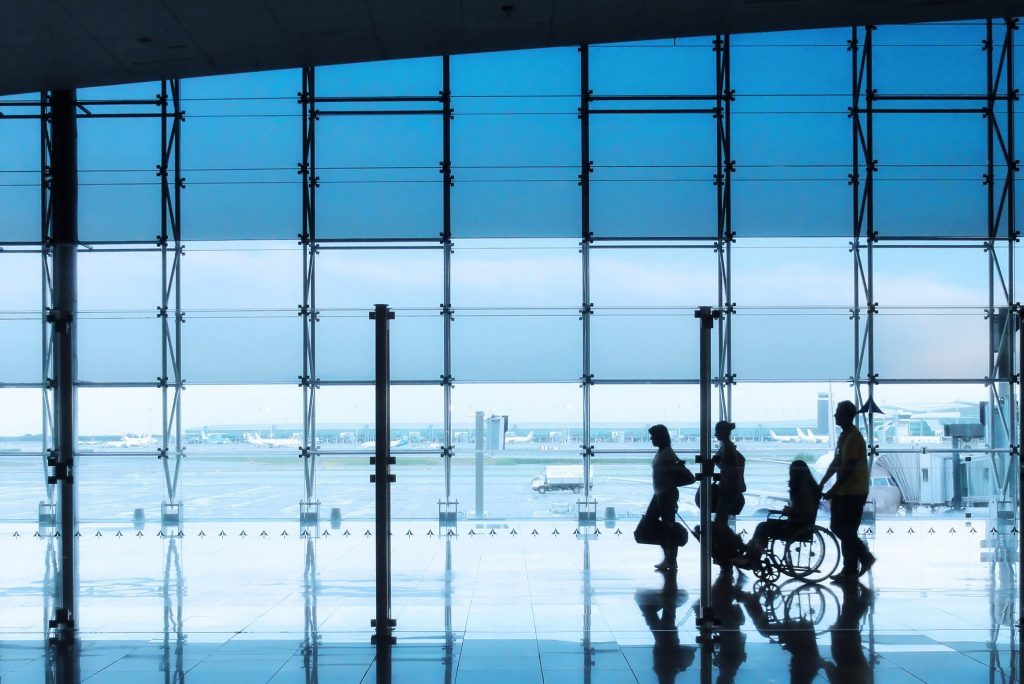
[516, 602]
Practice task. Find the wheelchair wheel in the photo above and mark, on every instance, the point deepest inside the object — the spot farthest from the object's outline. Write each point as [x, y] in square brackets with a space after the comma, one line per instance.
[811, 559]
[767, 569]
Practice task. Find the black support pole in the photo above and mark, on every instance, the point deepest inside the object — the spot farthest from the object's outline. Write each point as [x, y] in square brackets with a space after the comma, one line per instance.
[64, 239]
[707, 316]
[382, 478]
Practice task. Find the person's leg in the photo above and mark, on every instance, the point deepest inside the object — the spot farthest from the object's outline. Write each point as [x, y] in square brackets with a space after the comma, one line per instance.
[844, 526]
[864, 555]
[666, 503]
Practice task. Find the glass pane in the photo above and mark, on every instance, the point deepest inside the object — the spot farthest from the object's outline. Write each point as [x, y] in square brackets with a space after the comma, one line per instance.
[930, 59]
[620, 416]
[242, 454]
[929, 180]
[252, 347]
[788, 272]
[653, 175]
[119, 281]
[522, 273]
[119, 347]
[923, 276]
[790, 344]
[362, 278]
[241, 144]
[651, 277]
[21, 338]
[379, 176]
[19, 178]
[23, 482]
[517, 345]
[516, 144]
[934, 343]
[630, 344]
[346, 345]
[237, 276]
[119, 192]
[654, 67]
[544, 428]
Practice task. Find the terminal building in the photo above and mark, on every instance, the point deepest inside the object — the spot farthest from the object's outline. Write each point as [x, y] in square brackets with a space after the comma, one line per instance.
[332, 333]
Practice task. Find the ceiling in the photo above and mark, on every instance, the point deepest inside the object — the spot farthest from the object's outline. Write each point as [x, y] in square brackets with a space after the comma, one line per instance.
[52, 44]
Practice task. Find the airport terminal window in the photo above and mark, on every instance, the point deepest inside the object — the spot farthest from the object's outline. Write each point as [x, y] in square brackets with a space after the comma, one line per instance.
[345, 345]
[240, 149]
[21, 453]
[804, 272]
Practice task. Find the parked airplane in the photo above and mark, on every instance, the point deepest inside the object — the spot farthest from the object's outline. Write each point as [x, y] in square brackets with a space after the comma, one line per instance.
[809, 436]
[273, 442]
[131, 440]
[525, 439]
[394, 444]
[785, 438]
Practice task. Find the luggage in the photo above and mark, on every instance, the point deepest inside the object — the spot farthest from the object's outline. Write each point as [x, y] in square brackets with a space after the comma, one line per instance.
[654, 532]
[725, 545]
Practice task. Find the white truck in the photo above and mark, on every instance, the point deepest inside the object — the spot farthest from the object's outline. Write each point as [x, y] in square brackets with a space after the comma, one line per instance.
[561, 477]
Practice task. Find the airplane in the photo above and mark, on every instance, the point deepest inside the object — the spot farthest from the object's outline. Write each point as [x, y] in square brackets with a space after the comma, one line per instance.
[273, 442]
[394, 444]
[512, 439]
[131, 440]
[809, 436]
[785, 438]
[216, 439]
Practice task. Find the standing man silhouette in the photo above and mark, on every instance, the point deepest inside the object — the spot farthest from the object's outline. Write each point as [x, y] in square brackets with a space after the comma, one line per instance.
[664, 474]
[849, 493]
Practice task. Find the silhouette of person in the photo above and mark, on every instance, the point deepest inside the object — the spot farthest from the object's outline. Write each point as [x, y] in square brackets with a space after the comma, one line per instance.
[794, 632]
[850, 665]
[668, 655]
[849, 493]
[732, 642]
[800, 513]
[731, 483]
[664, 474]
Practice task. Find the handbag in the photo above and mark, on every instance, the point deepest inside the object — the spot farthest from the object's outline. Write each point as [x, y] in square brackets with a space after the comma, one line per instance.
[652, 531]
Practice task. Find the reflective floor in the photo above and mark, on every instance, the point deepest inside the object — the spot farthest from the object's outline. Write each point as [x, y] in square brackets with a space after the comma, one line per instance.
[517, 602]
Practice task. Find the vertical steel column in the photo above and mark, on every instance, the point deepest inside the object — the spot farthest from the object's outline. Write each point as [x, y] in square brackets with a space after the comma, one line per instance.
[171, 384]
[725, 166]
[309, 507]
[706, 316]
[446, 242]
[1000, 196]
[64, 188]
[587, 307]
[49, 428]
[864, 236]
[382, 479]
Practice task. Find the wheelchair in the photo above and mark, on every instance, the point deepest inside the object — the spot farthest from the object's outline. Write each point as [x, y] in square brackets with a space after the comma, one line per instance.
[810, 555]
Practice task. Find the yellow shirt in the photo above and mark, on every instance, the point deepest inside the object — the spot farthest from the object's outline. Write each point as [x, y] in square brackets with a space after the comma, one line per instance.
[852, 453]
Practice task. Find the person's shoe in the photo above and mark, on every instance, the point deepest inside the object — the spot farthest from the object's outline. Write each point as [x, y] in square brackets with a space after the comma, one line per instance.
[844, 577]
[665, 567]
[865, 566]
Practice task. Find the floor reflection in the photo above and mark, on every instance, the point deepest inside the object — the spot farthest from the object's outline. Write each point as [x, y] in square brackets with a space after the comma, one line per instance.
[669, 656]
[484, 610]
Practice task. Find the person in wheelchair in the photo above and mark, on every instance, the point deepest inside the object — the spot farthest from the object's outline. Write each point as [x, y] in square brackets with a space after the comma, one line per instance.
[798, 515]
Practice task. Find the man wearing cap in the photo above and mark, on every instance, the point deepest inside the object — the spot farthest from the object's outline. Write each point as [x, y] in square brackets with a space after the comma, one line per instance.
[849, 493]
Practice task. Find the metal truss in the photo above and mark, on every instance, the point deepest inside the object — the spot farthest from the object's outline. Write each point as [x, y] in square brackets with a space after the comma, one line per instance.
[170, 311]
[47, 509]
[1003, 310]
[586, 240]
[309, 506]
[725, 166]
[310, 595]
[448, 508]
[861, 181]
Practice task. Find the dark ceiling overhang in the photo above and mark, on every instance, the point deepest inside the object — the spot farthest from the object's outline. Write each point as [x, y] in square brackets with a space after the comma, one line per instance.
[52, 44]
